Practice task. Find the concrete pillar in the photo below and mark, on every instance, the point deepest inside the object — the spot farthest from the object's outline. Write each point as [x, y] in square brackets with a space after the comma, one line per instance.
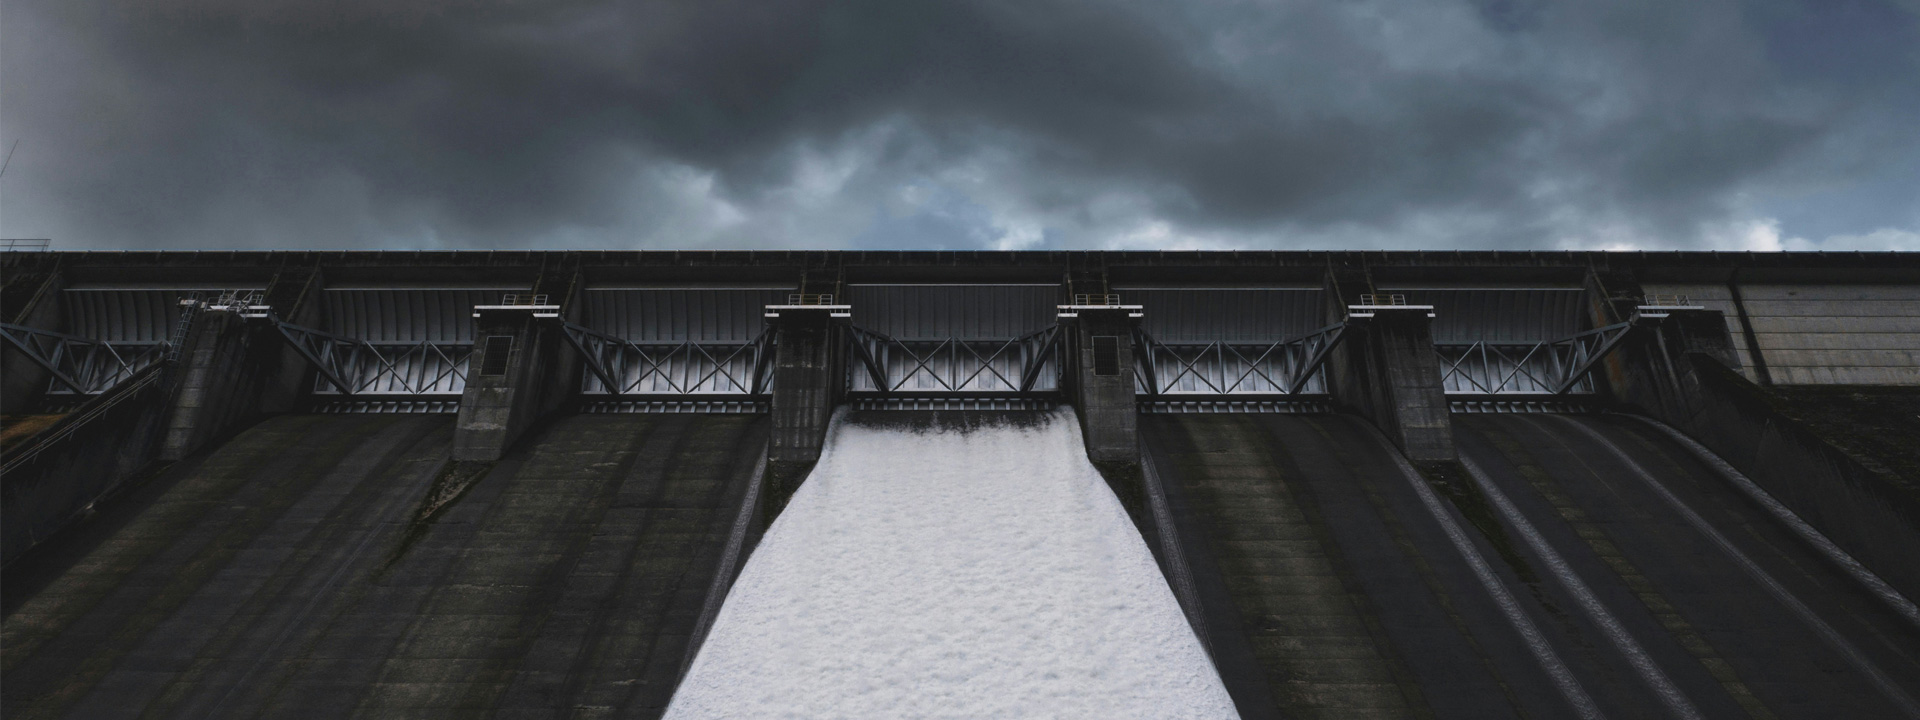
[1100, 370]
[218, 384]
[233, 368]
[514, 348]
[1099, 362]
[1387, 371]
[809, 379]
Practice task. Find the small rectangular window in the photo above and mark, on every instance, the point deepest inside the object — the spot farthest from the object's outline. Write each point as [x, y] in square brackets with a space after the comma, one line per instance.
[1106, 355]
[495, 354]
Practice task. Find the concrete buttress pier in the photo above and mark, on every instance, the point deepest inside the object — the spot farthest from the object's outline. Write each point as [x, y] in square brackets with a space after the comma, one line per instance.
[234, 367]
[1101, 379]
[1100, 384]
[507, 377]
[1386, 371]
[809, 376]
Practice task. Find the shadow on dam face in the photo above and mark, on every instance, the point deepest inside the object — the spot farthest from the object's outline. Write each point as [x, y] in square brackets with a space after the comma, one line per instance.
[273, 575]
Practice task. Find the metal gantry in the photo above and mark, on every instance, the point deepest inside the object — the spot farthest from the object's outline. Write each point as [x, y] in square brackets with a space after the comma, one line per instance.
[1286, 367]
[618, 366]
[352, 366]
[82, 365]
[1555, 367]
[1020, 365]
[88, 366]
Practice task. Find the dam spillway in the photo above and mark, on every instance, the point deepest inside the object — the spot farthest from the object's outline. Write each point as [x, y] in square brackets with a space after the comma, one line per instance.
[960, 564]
[1372, 485]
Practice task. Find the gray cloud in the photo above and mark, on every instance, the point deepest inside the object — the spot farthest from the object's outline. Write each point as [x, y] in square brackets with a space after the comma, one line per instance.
[728, 123]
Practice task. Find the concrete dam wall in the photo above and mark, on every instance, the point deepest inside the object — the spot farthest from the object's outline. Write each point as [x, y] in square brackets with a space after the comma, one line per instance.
[1454, 485]
[338, 566]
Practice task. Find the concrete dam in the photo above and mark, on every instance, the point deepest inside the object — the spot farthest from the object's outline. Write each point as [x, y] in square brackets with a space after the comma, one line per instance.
[980, 484]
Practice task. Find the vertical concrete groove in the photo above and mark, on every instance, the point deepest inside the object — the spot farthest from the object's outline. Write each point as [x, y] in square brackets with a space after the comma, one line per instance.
[1893, 598]
[1399, 536]
[1603, 547]
[1556, 668]
[1853, 655]
[1643, 663]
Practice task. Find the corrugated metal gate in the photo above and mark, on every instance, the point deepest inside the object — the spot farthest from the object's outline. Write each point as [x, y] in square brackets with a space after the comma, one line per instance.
[678, 341]
[417, 340]
[955, 339]
[116, 332]
[1227, 341]
[1500, 341]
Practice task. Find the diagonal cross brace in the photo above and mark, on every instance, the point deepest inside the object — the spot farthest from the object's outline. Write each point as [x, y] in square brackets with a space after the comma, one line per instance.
[318, 347]
[46, 349]
[1608, 337]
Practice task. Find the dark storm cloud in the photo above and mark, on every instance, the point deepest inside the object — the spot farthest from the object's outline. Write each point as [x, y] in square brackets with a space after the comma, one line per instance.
[1499, 123]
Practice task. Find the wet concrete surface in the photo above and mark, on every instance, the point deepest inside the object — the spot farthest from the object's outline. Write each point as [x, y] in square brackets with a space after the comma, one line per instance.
[337, 566]
[1357, 603]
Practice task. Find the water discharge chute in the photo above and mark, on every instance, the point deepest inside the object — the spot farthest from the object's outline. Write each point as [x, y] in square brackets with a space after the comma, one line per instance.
[955, 569]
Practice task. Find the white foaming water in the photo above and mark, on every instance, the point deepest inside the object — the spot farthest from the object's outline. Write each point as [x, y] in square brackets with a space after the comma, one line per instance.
[986, 573]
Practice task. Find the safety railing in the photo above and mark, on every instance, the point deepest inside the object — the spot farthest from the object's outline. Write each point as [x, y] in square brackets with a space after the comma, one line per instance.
[618, 366]
[1666, 300]
[809, 299]
[1288, 367]
[1383, 299]
[1554, 367]
[1019, 365]
[517, 299]
[1096, 300]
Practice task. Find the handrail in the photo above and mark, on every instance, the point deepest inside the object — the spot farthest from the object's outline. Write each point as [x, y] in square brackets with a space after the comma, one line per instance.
[1383, 299]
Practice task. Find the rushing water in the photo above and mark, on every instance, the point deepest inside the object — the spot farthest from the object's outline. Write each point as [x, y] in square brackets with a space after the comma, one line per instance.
[984, 571]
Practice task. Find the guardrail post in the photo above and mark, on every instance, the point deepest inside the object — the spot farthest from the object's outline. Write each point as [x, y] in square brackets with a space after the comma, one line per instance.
[809, 379]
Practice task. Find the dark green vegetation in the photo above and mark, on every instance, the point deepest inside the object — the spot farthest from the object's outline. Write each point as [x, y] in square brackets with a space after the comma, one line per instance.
[339, 566]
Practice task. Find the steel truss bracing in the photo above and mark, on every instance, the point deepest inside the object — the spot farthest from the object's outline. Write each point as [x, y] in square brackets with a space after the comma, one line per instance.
[1020, 365]
[351, 366]
[618, 366]
[82, 365]
[1554, 367]
[1287, 367]
[85, 366]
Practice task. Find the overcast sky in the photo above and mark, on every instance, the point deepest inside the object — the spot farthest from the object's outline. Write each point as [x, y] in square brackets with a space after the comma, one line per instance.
[920, 124]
